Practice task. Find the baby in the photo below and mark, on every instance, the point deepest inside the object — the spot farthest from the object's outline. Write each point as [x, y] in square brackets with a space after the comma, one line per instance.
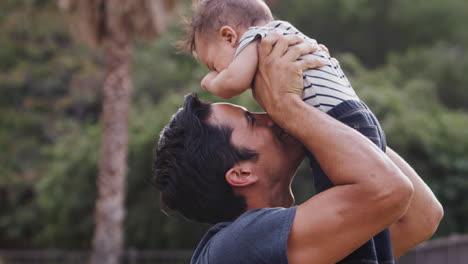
[226, 42]
[224, 36]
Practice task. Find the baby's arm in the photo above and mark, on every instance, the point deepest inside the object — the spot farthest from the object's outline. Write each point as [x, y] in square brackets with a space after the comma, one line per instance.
[237, 77]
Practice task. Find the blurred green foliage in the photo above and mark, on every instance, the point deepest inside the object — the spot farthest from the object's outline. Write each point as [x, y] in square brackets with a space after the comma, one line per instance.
[406, 59]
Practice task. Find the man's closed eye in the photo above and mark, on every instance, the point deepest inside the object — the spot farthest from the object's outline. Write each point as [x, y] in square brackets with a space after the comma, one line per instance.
[250, 118]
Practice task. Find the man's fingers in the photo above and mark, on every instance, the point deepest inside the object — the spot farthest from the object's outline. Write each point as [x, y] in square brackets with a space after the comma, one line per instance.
[324, 48]
[284, 43]
[335, 61]
[299, 50]
[267, 44]
[311, 63]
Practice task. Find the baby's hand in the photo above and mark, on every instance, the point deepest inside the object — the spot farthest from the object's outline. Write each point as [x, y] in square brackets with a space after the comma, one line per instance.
[206, 83]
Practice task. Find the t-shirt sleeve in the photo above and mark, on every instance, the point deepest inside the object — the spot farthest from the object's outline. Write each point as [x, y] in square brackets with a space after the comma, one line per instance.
[249, 36]
[258, 236]
[254, 33]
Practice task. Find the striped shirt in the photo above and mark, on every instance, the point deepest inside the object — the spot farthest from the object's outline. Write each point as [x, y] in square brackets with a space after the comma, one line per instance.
[324, 88]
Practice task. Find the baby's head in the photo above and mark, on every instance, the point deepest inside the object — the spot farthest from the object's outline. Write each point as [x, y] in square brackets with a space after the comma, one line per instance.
[216, 26]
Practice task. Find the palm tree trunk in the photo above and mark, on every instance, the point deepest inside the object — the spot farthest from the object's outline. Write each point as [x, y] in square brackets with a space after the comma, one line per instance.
[110, 211]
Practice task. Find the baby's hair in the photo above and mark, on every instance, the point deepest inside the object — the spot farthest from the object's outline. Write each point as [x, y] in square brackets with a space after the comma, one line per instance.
[208, 16]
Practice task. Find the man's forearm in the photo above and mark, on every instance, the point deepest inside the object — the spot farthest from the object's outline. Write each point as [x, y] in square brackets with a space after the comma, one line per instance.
[370, 192]
[345, 155]
[422, 217]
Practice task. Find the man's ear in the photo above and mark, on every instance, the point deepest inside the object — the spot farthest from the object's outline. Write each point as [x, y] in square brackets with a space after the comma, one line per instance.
[241, 175]
[229, 35]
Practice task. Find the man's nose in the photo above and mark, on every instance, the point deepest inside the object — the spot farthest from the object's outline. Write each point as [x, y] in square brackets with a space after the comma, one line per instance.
[264, 119]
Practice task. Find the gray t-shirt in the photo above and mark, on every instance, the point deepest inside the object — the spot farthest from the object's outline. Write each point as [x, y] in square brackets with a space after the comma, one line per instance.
[257, 236]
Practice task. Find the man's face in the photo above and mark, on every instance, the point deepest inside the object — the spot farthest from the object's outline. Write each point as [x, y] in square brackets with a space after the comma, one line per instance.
[279, 153]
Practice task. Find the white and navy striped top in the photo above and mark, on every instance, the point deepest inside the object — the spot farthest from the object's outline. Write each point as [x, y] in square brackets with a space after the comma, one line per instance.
[324, 88]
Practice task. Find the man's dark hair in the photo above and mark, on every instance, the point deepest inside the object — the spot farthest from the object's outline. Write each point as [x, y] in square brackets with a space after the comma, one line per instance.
[192, 158]
[208, 16]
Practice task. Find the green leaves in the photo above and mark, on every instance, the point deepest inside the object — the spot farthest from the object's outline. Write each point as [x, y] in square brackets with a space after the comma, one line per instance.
[406, 59]
[420, 125]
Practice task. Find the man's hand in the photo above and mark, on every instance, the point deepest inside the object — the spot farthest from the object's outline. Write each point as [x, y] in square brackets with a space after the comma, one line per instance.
[279, 75]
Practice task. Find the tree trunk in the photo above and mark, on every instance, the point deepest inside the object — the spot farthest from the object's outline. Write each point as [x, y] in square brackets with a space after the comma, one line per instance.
[110, 211]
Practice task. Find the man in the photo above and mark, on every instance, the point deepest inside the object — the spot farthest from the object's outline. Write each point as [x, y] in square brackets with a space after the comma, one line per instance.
[220, 164]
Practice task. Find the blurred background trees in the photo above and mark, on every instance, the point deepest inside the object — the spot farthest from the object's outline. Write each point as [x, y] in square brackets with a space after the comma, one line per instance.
[407, 60]
[113, 25]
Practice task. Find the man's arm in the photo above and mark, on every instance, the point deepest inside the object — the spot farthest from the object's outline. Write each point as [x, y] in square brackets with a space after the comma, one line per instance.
[237, 77]
[422, 217]
[424, 212]
[370, 193]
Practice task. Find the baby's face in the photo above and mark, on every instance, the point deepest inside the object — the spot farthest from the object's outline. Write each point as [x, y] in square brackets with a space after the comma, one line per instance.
[214, 53]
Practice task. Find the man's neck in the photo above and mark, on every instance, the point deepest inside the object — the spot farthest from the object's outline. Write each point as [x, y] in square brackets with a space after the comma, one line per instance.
[269, 198]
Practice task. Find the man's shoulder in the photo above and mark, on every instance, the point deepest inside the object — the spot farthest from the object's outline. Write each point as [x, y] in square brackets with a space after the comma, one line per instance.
[253, 231]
